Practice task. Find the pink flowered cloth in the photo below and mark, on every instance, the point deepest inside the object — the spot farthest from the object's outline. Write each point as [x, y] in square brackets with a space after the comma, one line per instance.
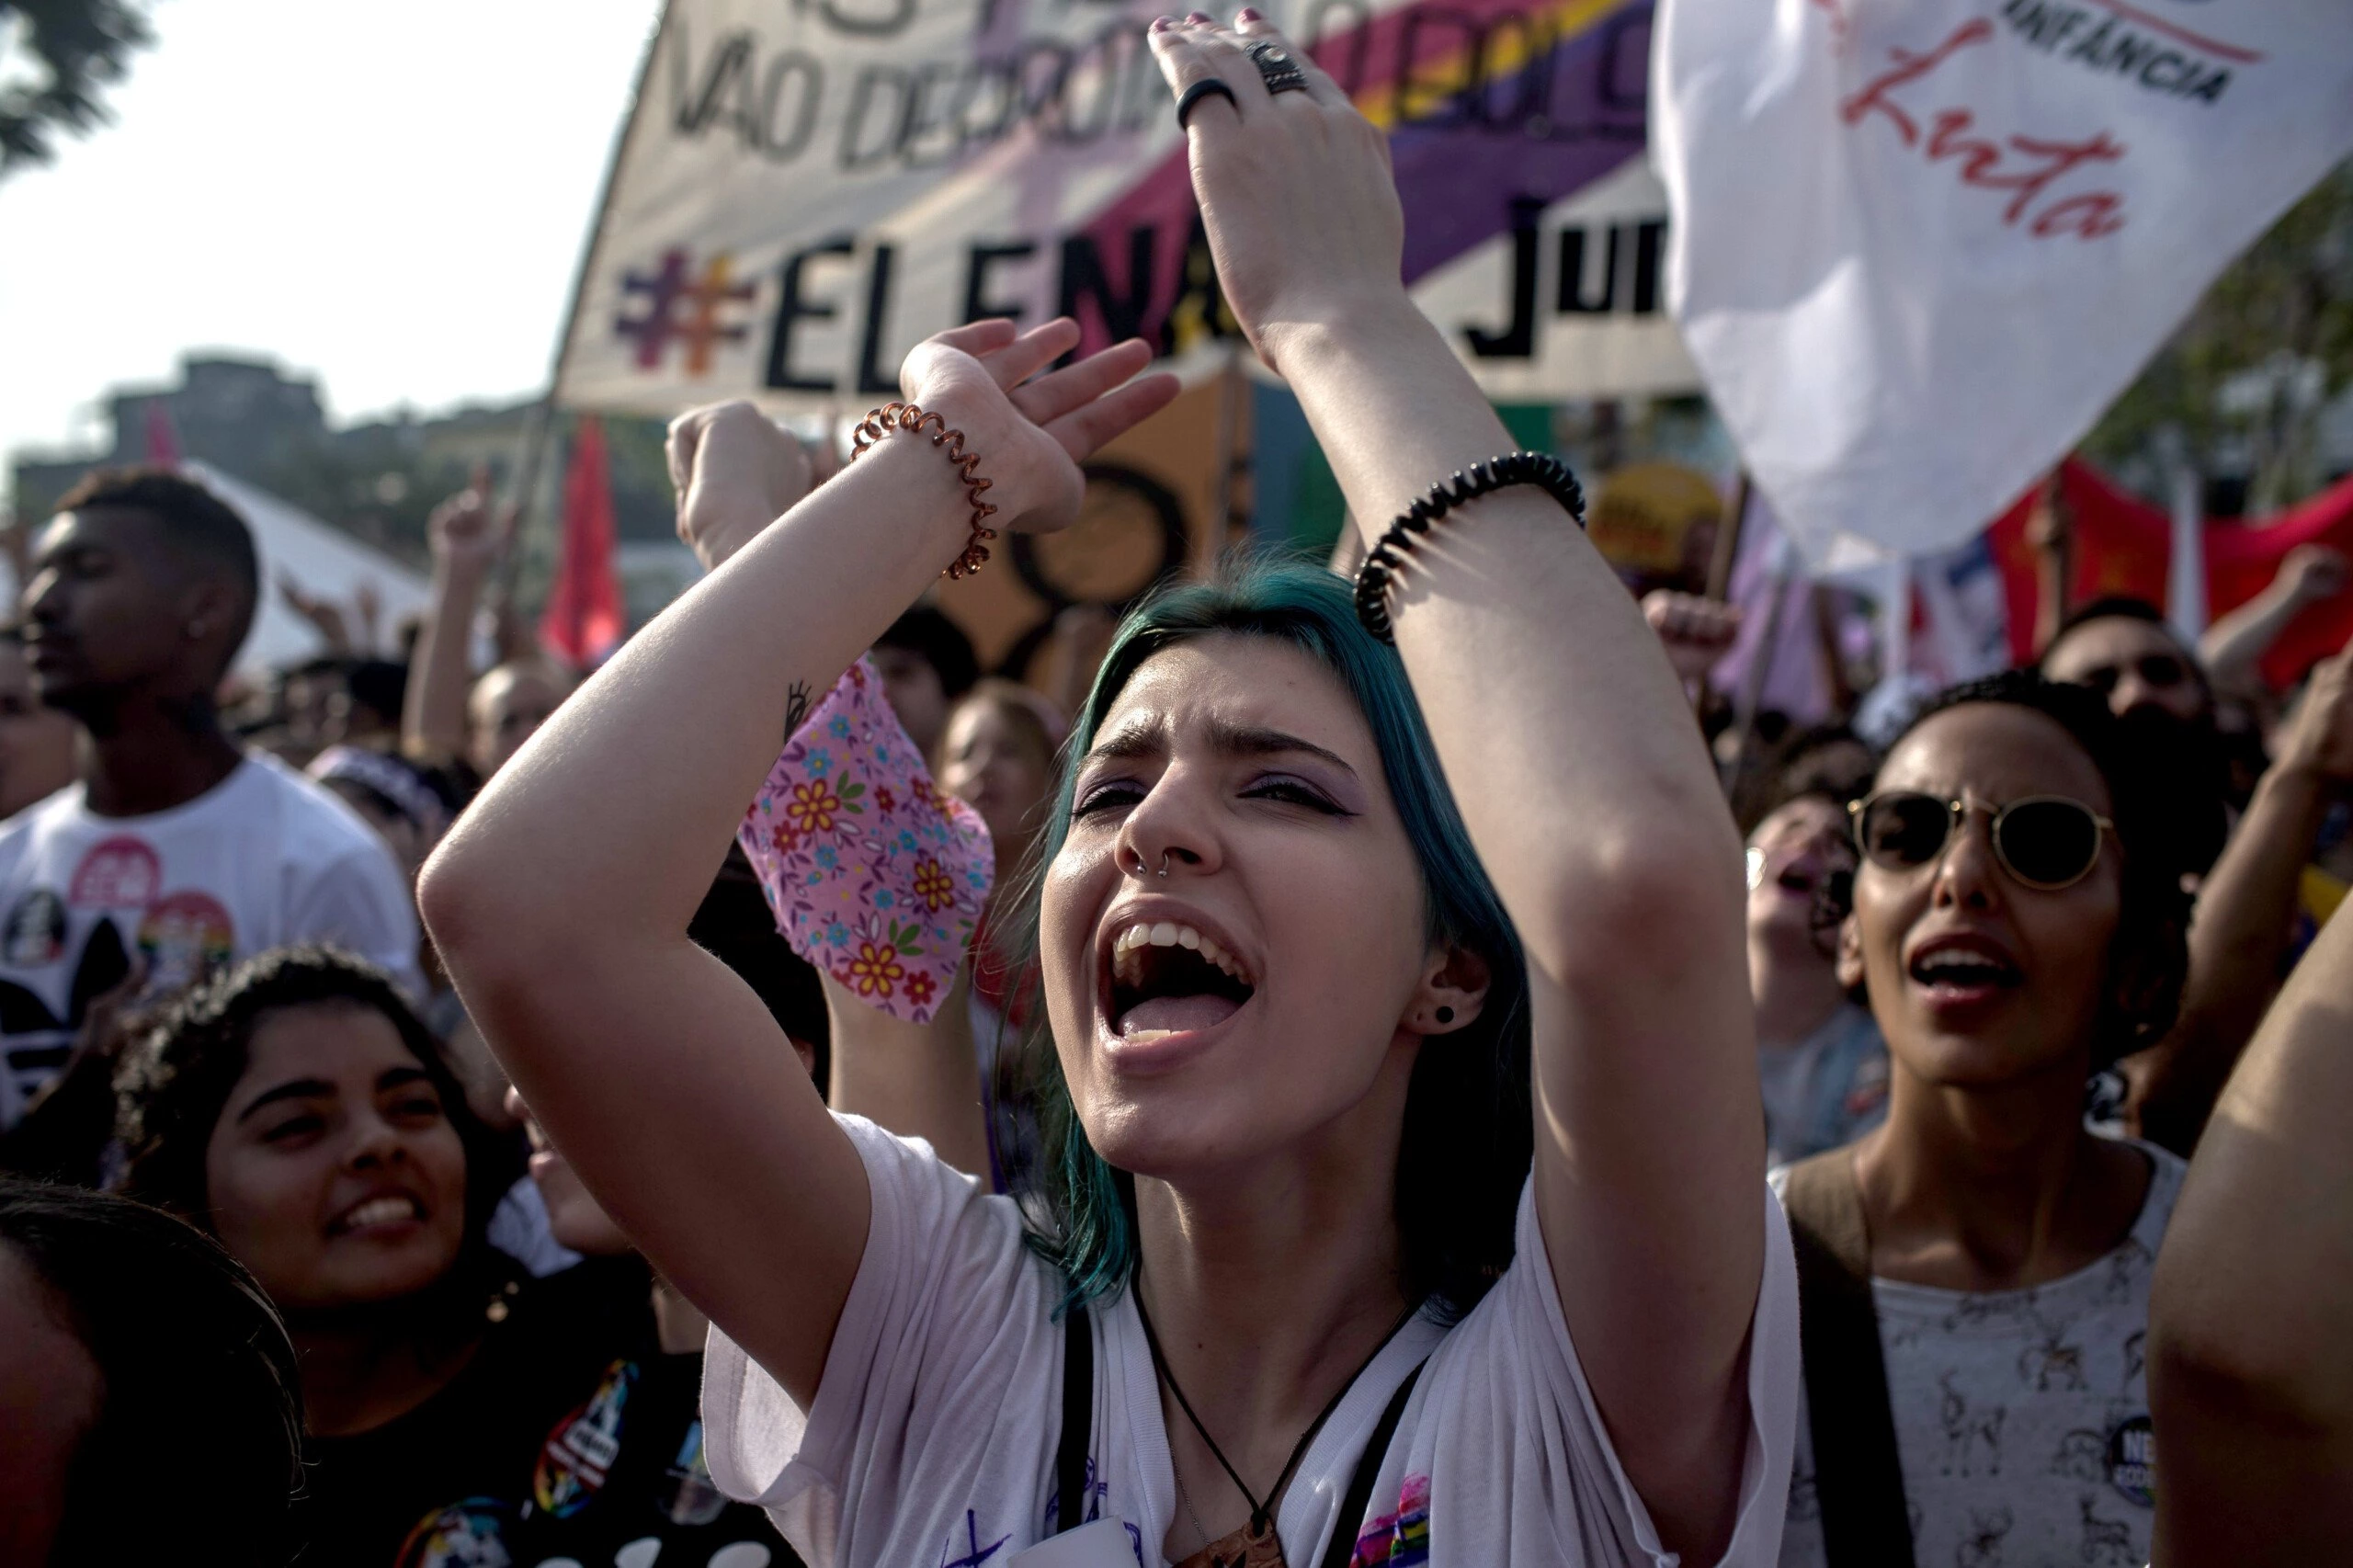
[873, 873]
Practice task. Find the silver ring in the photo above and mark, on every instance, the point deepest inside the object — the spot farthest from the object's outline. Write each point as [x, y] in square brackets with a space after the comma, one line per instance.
[1276, 67]
[1164, 862]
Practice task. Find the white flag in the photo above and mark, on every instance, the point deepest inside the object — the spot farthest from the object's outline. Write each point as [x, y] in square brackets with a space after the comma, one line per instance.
[1917, 246]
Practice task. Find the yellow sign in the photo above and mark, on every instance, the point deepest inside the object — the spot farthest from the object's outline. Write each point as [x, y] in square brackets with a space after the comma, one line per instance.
[1656, 520]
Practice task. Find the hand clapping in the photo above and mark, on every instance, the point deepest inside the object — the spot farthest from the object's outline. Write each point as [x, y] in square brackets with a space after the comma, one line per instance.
[1032, 429]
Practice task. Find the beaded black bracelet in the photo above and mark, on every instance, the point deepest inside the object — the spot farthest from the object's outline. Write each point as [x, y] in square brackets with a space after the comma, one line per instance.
[1388, 551]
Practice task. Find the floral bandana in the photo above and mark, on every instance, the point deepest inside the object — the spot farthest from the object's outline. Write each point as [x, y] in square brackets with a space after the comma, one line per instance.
[875, 876]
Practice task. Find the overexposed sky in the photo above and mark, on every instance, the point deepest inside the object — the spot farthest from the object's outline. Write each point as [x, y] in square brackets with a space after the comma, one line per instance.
[388, 199]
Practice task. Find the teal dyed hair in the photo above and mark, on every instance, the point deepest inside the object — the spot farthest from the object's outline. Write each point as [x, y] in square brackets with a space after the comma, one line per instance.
[1468, 1133]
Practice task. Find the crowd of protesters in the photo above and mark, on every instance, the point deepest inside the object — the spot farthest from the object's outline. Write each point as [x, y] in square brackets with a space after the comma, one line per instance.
[1346, 1138]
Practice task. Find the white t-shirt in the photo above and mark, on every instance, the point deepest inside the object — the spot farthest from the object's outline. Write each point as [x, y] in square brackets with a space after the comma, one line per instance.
[262, 859]
[521, 1228]
[2021, 1416]
[932, 1436]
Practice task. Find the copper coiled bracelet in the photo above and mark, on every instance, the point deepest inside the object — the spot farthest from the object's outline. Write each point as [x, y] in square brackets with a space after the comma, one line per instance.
[881, 422]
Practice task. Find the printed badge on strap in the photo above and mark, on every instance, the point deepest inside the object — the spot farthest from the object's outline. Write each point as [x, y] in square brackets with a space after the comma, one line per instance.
[874, 874]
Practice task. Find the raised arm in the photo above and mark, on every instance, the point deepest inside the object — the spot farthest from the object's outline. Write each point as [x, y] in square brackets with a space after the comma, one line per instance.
[464, 534]
[1583, 783]
[2232, 648]
[324, 615]
[2250, 1367]
[917, 1080]
[561, 899]
[2239, 938]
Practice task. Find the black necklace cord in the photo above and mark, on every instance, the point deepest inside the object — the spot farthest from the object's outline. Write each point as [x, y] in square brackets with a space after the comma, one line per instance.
[1262, 1517]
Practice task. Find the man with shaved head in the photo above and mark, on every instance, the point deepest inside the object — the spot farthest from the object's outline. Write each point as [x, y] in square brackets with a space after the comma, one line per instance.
[174, 851]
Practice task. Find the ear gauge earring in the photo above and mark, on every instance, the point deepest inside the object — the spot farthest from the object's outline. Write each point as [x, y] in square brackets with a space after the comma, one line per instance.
[1446, 1014]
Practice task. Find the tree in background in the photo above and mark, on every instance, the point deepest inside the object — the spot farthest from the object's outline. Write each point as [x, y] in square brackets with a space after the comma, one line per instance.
[2246, 376]
[74, 48]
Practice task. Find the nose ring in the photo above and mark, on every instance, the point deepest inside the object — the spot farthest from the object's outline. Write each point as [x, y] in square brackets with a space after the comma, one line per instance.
[1164, 862]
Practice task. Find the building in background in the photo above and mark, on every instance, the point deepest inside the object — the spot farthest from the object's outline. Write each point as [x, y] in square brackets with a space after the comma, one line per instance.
[377, 481]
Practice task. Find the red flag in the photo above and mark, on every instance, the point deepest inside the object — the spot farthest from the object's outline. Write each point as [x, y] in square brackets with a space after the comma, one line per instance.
[2241, 561]
[2124, 546]
[2121, 547]
[163, 441]
[583, 622]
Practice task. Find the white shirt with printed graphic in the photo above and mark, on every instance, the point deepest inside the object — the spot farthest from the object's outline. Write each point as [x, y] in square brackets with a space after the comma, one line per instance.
[2021, 1416]
[932, 1437]
[263, 858]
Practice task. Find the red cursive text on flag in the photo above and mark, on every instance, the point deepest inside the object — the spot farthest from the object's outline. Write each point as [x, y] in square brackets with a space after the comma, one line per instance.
[2025, 166]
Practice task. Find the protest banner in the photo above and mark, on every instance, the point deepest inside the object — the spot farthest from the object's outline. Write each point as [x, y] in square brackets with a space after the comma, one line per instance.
[804, 192]
[1918, 247]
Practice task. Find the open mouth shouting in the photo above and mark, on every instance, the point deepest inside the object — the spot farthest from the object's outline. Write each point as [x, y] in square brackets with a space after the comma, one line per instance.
[1169, 978]
[1963, 970]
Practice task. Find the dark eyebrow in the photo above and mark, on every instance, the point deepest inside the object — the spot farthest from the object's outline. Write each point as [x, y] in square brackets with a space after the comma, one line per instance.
[1247, 740]
[1144, 739]
[319, 1088]
[294, 1089]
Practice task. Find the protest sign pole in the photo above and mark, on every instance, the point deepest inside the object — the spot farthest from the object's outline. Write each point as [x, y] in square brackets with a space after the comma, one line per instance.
[1727, 551]
[542, 422]
[2185, 575]
[1827, 648]
[1751, 696]
[2051, 535]
[1231, 388]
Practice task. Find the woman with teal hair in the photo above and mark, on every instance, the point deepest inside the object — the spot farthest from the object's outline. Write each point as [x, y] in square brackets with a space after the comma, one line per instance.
[1398, 1184]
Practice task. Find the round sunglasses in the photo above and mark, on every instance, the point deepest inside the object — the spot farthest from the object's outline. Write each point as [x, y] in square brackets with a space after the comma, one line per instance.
[2046, 842]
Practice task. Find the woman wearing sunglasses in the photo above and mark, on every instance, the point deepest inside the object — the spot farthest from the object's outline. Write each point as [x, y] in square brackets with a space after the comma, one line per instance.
[1975, 1272]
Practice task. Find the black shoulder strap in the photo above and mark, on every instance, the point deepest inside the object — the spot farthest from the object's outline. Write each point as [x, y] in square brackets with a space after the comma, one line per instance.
[1078, 1420]
[1359, 1497]
[1859, 1477]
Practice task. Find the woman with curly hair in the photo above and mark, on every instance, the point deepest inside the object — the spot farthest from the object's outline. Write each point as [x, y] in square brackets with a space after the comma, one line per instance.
[297, 1110]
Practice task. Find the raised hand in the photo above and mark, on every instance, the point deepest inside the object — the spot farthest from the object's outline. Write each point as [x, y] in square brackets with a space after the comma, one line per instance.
[735, 471]
[1033, 430]
[1295, 188]
[467, 531]
[2320, 736]
[324, 614]
[2314, 572]
[1696, 632]
[370, 605]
